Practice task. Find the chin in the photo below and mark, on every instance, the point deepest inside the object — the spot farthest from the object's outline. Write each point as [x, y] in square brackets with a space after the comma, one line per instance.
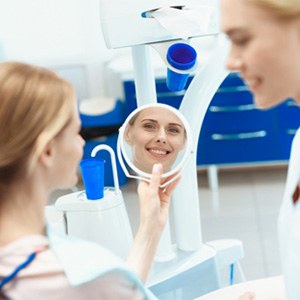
[264, 103]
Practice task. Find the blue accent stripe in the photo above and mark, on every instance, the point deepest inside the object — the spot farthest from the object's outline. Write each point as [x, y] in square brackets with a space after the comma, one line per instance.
[231, 274]
[10, 277]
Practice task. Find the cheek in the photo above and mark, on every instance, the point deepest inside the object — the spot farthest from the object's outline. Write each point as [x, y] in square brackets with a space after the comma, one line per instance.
[79, 148]
[75, 149]
[256, 60]
[177, 143]
[270, 54]
[142, 138]
[277, 74]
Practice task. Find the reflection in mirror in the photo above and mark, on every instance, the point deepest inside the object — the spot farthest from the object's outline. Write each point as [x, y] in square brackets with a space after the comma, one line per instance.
[152, 134]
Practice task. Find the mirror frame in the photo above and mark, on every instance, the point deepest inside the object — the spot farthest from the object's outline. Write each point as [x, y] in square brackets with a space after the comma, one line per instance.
[122, 155]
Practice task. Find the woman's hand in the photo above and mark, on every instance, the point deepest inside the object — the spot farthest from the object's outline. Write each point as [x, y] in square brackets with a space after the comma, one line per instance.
[154, 211]
[155, 201]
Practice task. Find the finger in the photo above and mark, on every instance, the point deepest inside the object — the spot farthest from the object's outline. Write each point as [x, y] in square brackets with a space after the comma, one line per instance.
[141, 186]
[155, 176]
[171, 187]
[169, 177]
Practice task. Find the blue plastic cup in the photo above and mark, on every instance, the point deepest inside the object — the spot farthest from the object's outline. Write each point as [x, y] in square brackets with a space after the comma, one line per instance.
[182, 57]
[92, 171]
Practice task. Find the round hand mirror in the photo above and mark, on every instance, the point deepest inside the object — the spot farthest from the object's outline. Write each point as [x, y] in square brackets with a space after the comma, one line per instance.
[154, 133]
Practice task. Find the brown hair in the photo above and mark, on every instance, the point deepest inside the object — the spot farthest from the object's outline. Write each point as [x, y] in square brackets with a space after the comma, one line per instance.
[133, 118]
[35, 104]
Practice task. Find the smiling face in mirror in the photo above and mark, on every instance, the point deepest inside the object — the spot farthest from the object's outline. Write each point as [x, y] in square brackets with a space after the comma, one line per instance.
[155, 135]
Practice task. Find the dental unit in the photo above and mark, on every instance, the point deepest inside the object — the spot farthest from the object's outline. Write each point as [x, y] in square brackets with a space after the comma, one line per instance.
[188, 267]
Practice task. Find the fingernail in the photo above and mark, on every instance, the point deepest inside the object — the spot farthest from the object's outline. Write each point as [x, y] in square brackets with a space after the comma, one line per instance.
[156, 168]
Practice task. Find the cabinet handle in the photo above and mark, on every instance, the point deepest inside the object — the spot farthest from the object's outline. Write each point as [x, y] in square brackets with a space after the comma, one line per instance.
[292, 103]
[291, 131]
[220, 90]
[230, 89]
[244, 107]
[167, 94]
[171, 94]
[239, 136]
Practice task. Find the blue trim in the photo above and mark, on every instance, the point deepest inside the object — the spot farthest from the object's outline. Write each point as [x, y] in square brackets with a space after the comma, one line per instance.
[231, 274]
[10, 277]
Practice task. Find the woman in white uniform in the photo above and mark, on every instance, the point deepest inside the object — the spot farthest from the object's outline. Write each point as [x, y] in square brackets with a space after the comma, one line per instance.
[265, 49]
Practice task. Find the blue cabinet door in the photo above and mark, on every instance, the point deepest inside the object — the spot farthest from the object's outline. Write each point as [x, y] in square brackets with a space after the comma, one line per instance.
[288, 115]
[234, 131]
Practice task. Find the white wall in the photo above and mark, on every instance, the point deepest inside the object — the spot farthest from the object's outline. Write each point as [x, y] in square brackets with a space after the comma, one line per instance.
[56, 32]
[60, 33]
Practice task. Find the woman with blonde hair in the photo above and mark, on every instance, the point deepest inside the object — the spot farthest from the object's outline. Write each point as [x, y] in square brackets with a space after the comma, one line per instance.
[40, 148]
[265, 50]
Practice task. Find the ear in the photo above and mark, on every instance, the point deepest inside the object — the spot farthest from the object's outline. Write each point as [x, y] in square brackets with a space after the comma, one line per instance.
[47, 156]
[128, 135]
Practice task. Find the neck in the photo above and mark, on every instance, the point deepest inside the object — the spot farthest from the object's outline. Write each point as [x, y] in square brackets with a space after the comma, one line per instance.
[297, 99]
[22, 212]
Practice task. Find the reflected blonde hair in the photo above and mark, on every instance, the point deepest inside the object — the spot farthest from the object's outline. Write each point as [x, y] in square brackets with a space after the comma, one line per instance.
[285, 8]
[35, 104]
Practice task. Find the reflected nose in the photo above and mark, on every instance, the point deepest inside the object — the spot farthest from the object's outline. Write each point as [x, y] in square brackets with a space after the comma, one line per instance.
[161, 140]
[161, 137]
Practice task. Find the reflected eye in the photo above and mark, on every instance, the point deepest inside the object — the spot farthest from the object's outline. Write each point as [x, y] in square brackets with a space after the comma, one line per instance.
[174, 130]
[149, 126]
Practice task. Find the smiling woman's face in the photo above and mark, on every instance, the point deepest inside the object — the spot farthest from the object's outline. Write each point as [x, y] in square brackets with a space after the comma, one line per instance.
[265, 49]
[156, 136]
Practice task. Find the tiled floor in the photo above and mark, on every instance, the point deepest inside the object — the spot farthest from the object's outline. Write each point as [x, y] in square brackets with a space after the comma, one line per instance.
[245, 207]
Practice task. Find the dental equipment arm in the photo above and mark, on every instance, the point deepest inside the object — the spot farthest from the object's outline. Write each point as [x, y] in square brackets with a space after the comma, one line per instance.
[203, 87]
[154, 211]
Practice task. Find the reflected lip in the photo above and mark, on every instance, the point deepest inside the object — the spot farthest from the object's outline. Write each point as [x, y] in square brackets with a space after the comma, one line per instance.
[158, 151]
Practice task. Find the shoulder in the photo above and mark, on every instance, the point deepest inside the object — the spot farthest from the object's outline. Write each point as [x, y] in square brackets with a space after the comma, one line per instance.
[85, 262]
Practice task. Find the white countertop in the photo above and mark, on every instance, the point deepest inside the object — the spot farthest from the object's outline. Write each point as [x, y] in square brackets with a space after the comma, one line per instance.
[271, 288]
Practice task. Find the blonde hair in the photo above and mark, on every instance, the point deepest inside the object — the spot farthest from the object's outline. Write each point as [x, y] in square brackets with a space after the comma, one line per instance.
[35, 104]
[285, 8]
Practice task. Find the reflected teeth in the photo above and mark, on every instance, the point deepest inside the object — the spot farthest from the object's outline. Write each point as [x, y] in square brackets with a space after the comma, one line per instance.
[161, 152]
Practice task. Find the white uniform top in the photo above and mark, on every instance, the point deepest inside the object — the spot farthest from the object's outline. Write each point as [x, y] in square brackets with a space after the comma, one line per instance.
[289, 225]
